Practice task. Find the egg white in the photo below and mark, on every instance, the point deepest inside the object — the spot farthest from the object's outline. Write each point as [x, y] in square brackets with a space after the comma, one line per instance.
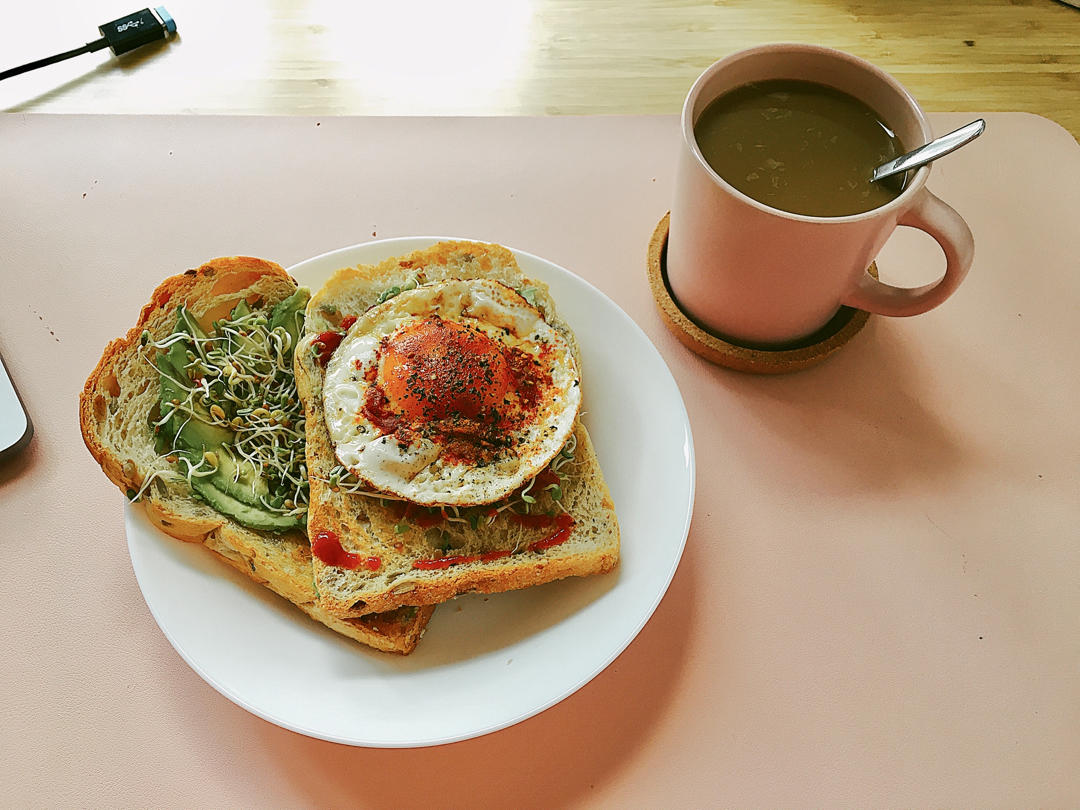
[416, 471]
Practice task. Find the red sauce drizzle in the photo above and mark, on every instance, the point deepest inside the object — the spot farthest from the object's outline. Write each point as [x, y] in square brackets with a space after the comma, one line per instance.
[457, 559]
[425, 520]
[546, 477]
[532, 521]
[328, 341]
[327, 548]
[377, 409]
[565, 525]
[561, 535]
[420, 516]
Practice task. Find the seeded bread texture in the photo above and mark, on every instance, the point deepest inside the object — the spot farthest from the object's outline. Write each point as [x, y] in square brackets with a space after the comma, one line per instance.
[369, 527]
[114, 410]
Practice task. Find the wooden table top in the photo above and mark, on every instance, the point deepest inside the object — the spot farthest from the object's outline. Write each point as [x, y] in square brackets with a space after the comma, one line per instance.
[531, 57]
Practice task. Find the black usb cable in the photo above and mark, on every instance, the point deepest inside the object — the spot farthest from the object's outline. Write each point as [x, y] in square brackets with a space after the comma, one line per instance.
[121, 36]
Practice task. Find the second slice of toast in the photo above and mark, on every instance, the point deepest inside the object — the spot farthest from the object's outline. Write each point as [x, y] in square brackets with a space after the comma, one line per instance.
[415, 556]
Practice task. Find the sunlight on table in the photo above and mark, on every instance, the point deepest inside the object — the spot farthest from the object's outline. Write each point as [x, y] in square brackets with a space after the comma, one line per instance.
[530, 57]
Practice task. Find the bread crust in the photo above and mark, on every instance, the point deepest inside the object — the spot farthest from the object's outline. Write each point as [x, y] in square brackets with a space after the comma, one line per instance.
[279, 562]
[367, 528]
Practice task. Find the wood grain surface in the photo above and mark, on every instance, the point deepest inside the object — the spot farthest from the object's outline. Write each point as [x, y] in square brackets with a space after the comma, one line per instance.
[530, 57]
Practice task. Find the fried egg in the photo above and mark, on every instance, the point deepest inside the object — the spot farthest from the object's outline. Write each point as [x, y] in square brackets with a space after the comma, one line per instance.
[451, 394]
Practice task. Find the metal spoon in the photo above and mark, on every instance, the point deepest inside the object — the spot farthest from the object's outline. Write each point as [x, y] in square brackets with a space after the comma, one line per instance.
[932, 151]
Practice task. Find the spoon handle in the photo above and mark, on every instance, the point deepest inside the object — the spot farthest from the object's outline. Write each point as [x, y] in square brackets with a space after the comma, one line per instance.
[932, 151]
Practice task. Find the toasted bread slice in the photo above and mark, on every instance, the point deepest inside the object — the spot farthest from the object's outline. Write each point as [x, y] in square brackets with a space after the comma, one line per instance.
[114, 409]
[422, 566]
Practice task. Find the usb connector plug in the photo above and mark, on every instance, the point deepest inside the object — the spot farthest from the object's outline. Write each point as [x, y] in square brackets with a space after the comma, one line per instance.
[138, 29]
[121, 36]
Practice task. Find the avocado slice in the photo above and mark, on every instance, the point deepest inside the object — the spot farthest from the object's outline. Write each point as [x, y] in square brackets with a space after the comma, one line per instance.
[185, 322]
[241, 343]
[169, 391]
[236, 487]
[241, 480]
[176, 357]
[251, 516]
[285, 312]
[197, 433]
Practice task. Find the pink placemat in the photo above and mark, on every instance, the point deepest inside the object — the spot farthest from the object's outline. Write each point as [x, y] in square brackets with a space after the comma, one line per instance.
[879, 600]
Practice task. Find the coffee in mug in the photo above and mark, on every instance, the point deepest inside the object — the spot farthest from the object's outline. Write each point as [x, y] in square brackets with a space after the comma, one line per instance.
[757, 274]
[799, 146]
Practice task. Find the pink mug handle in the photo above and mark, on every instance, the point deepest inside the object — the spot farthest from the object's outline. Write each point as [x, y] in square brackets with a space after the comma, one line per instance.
[950, 231]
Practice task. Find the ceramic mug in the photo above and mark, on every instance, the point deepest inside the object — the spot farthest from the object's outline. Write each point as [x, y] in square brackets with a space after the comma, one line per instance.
[761, 276]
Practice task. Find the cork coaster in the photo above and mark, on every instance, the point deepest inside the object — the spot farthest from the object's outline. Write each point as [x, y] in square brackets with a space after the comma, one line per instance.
[715, 349]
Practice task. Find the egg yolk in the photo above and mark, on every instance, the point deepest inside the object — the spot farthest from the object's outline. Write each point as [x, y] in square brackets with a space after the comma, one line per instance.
[437, 369]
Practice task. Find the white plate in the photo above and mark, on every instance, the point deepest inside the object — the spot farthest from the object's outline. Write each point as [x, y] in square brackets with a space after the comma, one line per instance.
[485, 662]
